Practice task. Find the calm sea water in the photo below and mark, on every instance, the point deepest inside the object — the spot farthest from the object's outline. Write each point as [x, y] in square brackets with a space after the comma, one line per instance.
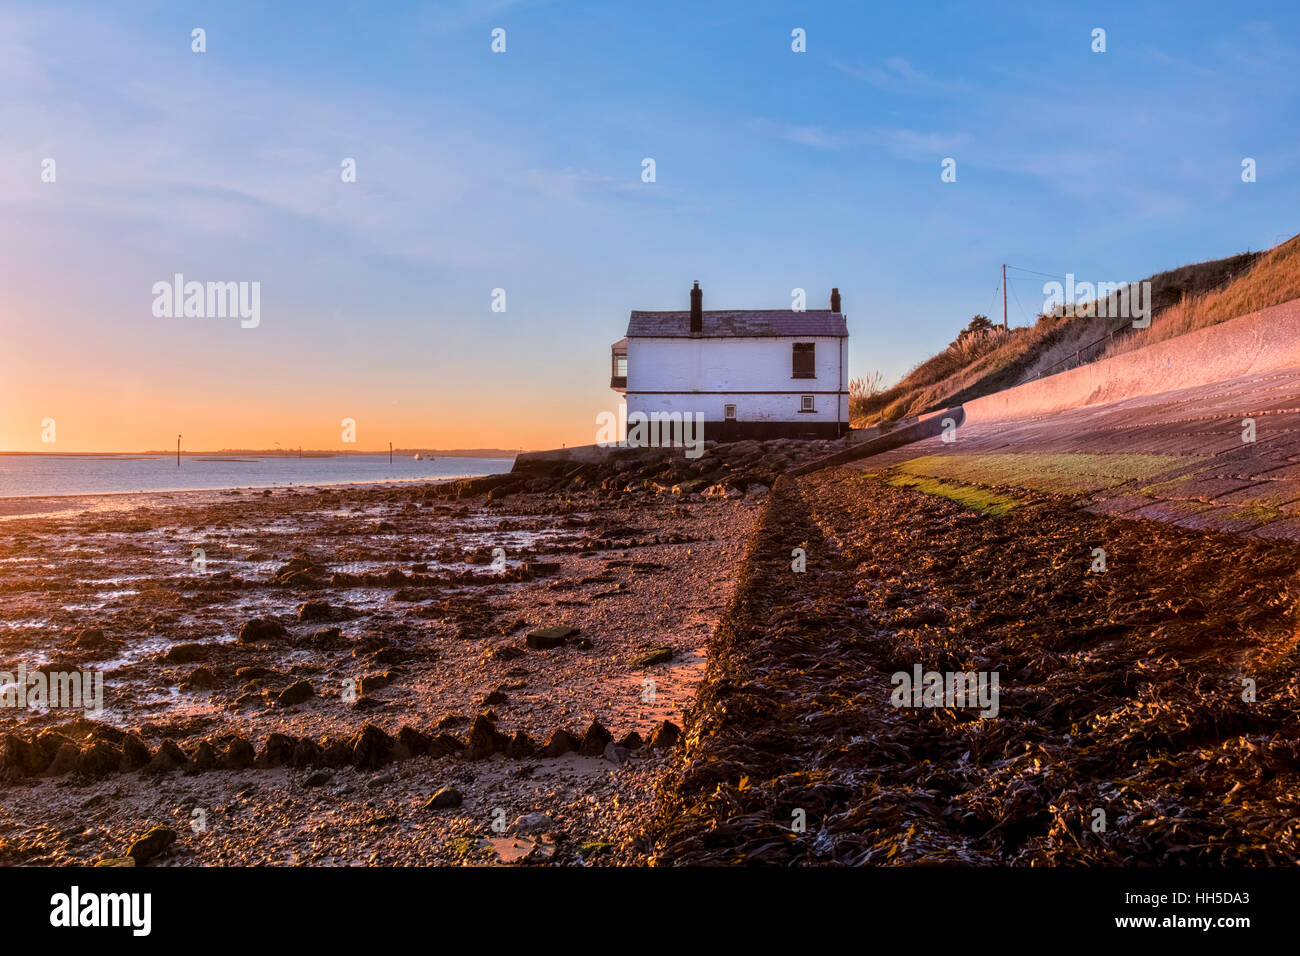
[25, 475]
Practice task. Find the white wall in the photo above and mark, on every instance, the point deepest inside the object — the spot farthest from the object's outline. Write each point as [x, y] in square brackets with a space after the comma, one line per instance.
[686, 369]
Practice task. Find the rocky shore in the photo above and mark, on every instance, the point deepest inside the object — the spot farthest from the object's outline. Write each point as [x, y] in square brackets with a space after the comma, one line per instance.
[490, 669]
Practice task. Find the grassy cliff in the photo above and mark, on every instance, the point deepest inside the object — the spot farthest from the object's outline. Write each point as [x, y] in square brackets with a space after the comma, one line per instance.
[990, 360]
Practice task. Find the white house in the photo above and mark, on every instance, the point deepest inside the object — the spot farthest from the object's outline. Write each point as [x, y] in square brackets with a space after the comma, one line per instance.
[769, 373]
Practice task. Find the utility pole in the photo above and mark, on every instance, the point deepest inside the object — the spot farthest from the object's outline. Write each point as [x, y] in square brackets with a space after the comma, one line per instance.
[1004, 297]
[178, 451]
[390, 453]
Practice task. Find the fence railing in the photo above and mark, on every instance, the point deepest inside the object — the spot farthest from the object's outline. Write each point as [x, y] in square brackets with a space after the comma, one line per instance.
[1085, 353]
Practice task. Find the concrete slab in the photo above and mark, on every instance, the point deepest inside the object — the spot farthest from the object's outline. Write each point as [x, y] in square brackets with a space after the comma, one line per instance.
[1107, 455]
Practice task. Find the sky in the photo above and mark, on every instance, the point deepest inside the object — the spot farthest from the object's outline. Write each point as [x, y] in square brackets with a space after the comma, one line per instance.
[522, 171]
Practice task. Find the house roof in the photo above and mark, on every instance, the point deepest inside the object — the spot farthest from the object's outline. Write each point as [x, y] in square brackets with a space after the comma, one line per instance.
[738, 324]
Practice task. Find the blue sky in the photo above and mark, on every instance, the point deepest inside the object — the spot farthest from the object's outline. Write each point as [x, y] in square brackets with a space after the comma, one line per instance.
[522, 171]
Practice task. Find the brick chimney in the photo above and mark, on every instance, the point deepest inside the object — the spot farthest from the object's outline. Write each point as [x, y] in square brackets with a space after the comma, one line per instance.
[697, 308]
[835, 300]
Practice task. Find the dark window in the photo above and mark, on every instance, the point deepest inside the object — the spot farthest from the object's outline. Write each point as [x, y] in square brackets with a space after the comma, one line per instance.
[806, 403]
[729, 412]
[805, 360]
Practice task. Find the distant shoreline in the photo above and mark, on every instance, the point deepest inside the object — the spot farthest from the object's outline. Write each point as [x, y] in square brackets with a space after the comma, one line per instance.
[277, 453]
[26, 506]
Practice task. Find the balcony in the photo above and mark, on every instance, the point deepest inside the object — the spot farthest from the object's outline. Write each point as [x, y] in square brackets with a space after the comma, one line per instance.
[618, 366]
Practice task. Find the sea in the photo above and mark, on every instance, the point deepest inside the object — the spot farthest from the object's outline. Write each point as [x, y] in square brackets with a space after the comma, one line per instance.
[23, 476]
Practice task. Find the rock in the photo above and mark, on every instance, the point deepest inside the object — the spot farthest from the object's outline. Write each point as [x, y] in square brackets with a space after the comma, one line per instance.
[65, 760]
[503, 653]
[560, 742]
[531, 823]
[327, 635]
[444, 745]
[99, 759]
[484, 739]
[521, 746]
[371, 748]
[261, 629]
[373, 682]
[20, 756]
[277, 751]
[152, 845]
[381, 779]
[49, 742]
[296, 693]
[549, 637]
[614, 753]
[318, 779]
[205, 757]
[186, 653]
[495, 697]
[336, 752]
[314, 611]
[631, 741]
[306, 753]
[108, 732]
[660, 655]
[594, 740]
[93, 639]
[135, 753]
[300, 571]
[168, 757]
[446, 797]
[414, 743]
[238, 754]
[665, 736]
[201, 678]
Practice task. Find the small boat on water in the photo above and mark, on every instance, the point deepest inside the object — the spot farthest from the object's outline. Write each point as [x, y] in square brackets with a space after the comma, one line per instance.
[417, 456]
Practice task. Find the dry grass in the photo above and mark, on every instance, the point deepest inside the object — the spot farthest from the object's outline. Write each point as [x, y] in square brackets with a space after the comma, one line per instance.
[861, 392]
[985, 362]
[1274, 279]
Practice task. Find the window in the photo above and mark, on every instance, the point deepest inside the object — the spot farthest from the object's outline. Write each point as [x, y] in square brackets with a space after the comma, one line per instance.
[620, 366]
[729, 412]
[805, 360]
[806, 403]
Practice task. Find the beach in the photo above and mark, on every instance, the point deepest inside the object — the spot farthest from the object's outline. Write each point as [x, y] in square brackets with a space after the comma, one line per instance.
[305, 670]
[645, 660]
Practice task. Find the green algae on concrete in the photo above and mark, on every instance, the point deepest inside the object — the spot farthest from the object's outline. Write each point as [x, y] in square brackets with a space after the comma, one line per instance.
[1061, 473]
[1257, 513]
[977, 499]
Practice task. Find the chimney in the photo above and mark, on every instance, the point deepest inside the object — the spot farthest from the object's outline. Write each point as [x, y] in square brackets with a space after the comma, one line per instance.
[835, 300]
[697, 313]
